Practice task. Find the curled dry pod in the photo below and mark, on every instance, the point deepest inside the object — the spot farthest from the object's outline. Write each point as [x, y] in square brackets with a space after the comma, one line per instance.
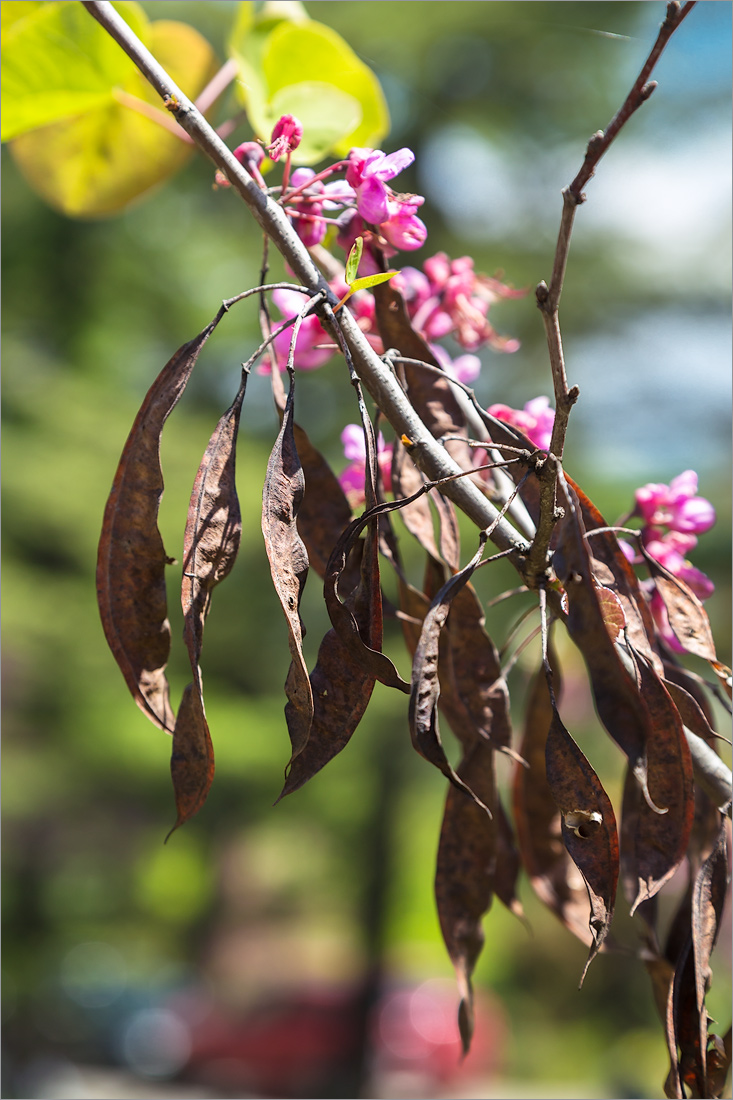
[341, 683]
[622, 579]
[324, 511]
[554, 877]
[343, 620]
[687, 617]
[425, 692]
[708, 899]
[588, 827]
[210, 547]
[477, 679]
[465, 873]
[611, 671]
[131, 561]
[282, 495]
[661, 838]
[417, 516]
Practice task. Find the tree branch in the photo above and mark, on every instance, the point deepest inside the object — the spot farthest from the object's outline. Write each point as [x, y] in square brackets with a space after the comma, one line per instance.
[379, 381]
[548, 298]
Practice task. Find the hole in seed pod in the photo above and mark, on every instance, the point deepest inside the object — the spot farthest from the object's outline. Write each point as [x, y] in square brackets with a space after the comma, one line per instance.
[583, 822]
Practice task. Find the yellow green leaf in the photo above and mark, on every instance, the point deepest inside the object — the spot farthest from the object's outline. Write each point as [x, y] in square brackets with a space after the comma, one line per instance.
[352, 264]
[57, 62]
[371, 280]
[98, 162]
[307, 69]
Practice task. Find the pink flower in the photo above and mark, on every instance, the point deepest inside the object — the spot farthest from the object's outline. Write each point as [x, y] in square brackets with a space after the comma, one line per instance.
[308, 353]
[286, 136]
[403, 229]
[675, 505]
[368, 172]
[309, 200]
[308, 222]
[685, 515]
[466, 368]
[250, 155]
[669, 551]
[352, 478]
[413, 286]
[457, 301]
[536, 420]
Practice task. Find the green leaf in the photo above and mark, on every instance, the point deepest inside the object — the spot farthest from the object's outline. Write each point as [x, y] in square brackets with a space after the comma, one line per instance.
[59, 62]
[320, 131]
[372, 280]
[11, 13]
[307, 69]
[352, 264]
[106, 155]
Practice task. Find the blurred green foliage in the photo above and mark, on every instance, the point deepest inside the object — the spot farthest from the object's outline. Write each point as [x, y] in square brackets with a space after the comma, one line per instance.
[342, 869]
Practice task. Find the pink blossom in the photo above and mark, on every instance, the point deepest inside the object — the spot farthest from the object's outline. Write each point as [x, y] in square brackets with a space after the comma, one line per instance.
[465, 368]
[250, 155]
[286, 136]
[403, 229]
[669, 551]
[352, 478]
[413, 286]
[684, 515]
[675, 505]
[309, 224]
[309, 200]
[368, 172]
[458, 302]
[536, 420]
[308, 354]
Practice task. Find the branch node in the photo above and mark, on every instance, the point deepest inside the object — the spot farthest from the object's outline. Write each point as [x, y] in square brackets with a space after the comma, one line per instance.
[673, 11]
[595, 143]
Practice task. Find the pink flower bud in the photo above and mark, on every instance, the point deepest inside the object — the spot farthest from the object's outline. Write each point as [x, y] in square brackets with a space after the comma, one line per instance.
[286, 136]
[250, 155]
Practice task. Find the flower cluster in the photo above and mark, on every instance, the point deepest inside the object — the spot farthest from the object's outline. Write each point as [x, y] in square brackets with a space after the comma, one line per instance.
[449, 298]
[364, 199]
[446, 298]
[673, 517]
[535, 420]
[314, 346]
[352, 478]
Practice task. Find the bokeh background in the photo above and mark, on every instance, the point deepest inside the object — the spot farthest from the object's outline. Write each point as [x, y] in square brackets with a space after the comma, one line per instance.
[294, 950]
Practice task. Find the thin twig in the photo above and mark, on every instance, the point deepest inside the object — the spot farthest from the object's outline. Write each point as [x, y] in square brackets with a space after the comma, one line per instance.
[639, 94]
[548, 298]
